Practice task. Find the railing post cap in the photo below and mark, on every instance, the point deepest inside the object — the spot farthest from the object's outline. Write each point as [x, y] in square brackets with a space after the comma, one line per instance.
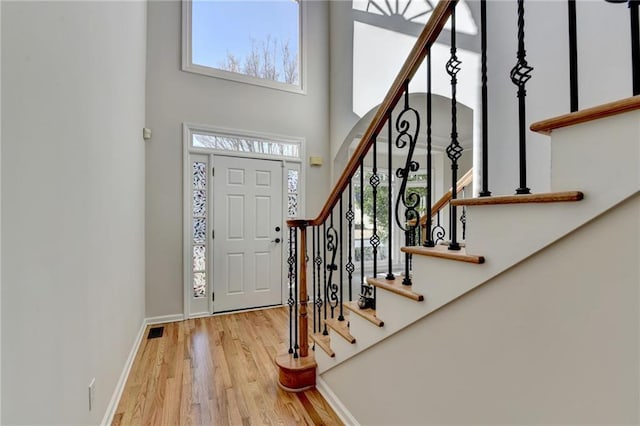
[297, 223]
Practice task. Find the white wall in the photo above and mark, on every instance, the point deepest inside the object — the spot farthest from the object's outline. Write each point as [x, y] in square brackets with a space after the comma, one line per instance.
[73, 75]
[174, 97]
[368, 50]
[554, 340]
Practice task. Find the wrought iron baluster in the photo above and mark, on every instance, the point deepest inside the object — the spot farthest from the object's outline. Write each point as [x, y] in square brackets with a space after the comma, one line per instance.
[340, 304]
[290, 301]
[332, 297]
[573, 56]
[295, 295]
[390, 275]
[463, 218]
[485, 107]
[350, 267]
[374, 240]
[365, 299]
[407, 137]
[428, 241]
[520, 75]
[634, 9]
[454, 150]
[313, 276]
[325, 332]
[318, 263]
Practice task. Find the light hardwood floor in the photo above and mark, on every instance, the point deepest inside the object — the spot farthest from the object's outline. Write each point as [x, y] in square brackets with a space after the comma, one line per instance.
[217, 371]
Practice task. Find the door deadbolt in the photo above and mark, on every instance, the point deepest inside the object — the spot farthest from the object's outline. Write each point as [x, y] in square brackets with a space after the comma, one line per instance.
[277, 229]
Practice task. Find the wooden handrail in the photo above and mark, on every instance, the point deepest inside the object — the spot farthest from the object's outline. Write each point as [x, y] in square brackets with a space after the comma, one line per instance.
[465, 180]
[426, 39]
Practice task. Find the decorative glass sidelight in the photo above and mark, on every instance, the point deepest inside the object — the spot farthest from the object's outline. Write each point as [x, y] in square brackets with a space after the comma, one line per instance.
[292, 193]
[199, 228]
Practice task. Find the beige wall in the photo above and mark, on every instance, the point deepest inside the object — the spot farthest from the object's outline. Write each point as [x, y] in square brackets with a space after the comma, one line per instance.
[554, 340]
[73, 106]
[174, 97]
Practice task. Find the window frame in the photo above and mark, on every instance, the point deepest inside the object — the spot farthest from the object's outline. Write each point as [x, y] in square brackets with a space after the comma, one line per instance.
[189, 66]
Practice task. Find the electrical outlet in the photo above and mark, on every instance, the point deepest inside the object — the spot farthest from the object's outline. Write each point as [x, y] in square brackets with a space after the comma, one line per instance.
[92, 393]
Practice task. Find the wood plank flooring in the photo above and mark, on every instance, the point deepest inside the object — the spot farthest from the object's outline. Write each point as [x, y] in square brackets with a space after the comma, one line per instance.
[217, 371]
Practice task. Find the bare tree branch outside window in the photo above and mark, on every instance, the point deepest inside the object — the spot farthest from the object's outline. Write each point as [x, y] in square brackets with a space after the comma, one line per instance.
[262, 61]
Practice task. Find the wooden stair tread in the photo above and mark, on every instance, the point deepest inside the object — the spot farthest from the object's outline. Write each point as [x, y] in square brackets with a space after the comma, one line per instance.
[324, 342]
[368, 313]
[341, 327]
[589, 114]
[549, 197]
[444, 253]
[396, 286]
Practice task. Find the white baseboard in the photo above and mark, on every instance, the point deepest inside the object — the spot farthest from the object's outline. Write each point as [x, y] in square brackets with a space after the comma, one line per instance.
[164, 319]
[122, 381]
[335, 403]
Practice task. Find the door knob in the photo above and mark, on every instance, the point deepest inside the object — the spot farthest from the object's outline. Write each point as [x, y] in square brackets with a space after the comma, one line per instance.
[277, 240]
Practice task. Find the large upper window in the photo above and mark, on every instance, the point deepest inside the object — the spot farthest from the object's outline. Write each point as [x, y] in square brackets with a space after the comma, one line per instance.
[257, 42]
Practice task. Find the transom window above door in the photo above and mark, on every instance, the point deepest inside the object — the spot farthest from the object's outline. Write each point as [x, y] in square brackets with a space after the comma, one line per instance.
[255, 42]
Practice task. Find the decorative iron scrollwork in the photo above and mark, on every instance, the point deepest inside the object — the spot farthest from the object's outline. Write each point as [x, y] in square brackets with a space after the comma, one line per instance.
[408, 127]
[331, 294]
[438, 232]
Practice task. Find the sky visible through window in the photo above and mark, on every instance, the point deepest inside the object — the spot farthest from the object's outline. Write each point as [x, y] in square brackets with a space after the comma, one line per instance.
[257, 38]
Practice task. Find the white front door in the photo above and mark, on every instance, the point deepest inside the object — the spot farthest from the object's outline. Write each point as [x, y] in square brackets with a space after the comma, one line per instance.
[247, 222]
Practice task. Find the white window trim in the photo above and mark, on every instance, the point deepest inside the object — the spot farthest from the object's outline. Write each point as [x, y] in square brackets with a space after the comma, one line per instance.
[188, 129]
[189, 66]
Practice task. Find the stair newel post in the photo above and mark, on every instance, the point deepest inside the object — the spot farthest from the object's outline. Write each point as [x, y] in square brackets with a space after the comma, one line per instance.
[428, 240]
[296, 370]
[520, 75]
[485, 106]
[341, 300]
[303, 320]
[350, 235]
[390, 275]
[291, 260]
[454, 150]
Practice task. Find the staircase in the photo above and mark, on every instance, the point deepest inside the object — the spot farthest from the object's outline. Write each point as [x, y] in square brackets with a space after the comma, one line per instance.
[588, 182]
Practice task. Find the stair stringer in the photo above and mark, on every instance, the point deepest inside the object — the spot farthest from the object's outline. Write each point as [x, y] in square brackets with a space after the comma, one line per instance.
[508, 234]
[553, 340]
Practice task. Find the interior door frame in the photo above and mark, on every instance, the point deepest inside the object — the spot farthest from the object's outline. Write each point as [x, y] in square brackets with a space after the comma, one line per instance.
[288, 162]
